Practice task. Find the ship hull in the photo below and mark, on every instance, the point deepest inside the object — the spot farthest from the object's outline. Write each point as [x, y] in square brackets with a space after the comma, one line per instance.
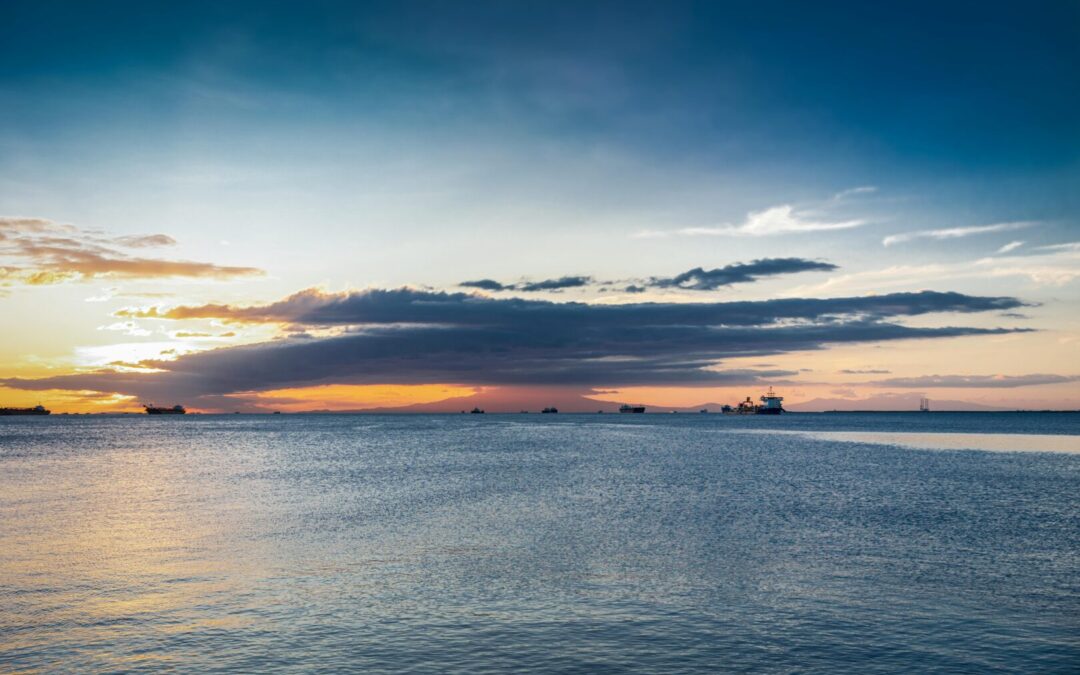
[769, 411]
[166, 412]
[9, 413]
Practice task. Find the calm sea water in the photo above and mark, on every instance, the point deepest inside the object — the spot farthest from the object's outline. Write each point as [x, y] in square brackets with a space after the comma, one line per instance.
[568, 543]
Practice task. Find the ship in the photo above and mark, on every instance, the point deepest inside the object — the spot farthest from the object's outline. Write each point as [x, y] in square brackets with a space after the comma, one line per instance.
[624, 408]
[771, 404]
[924, 404]
[36, 410]
[476, 411]
[550, 411]
[156, 410]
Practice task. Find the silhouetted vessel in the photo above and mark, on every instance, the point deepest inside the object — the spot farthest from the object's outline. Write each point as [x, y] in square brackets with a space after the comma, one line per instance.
[924, 405]
[550, 411]
[155, 410]
[625, 408]
[476, 411]
[36, 410]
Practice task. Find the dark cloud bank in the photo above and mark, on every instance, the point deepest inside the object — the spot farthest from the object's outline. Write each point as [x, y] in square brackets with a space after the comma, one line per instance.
[412, 336]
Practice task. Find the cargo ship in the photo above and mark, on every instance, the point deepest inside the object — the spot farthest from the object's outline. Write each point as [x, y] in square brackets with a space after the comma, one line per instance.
[550, 411]
[771, 404]
[36, 410]
[155, 410]
[624, 408]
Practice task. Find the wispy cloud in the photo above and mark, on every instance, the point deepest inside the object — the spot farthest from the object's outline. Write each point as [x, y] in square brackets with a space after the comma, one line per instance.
[782, 219]
[1011, 246]
[975, 381]
[1069, 247]
[40, 252]
[956, 232]
[697, 279]
[529, 286]
[853, 192]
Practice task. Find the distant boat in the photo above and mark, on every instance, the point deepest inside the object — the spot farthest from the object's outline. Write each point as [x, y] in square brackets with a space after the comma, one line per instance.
[703, 411]
[924, 405]
[476, 411]
[550, 410]
[36, 410]
[155, 410]
[624, 408]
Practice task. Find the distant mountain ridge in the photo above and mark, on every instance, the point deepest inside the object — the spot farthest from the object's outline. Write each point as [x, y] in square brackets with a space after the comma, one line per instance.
[574, 402]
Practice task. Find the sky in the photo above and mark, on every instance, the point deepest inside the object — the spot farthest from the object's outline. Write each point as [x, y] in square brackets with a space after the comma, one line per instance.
[360, 205]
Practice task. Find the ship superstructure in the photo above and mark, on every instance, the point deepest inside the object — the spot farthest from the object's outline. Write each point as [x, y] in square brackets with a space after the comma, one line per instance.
[771, 404]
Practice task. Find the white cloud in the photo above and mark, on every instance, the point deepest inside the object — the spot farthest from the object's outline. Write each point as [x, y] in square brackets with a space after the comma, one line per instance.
[851, 192]
[956, 232]
[1069, 247]
[783, 219]
[1011, 246]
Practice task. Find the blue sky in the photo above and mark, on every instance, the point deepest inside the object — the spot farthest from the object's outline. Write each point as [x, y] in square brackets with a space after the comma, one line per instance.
[357, 145]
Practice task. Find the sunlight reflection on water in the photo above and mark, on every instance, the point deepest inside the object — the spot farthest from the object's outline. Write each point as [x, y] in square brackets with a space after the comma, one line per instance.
[946, 441]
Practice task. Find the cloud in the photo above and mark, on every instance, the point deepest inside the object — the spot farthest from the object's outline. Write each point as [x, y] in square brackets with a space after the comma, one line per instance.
[870, 371]
[1069, 247]
[145, 241]
[554, 284]
[407, 336]
[315, 307]
[699, 279]
[530, 286]
[485, 284]
[783, 219]
[956, 232]
[852, 192]
[1011, 246]
[975, 381]
[35, 251]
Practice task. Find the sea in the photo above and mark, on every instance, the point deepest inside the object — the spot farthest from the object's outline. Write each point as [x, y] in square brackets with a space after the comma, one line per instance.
[655, 543]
